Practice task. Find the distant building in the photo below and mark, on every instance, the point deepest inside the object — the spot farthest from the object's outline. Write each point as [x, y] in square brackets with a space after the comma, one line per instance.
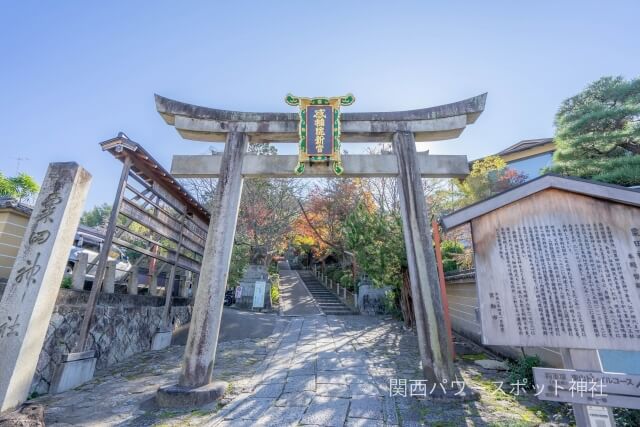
[14, 217]
[529, 156]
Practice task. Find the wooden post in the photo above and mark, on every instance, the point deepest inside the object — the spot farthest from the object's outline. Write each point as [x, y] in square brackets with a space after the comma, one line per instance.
[103, 258]
[172, 274]
[587, 360]
[80, 271]
[200, 351]
[153, 282]
[437, 360]
[34, 282]
[443, 286]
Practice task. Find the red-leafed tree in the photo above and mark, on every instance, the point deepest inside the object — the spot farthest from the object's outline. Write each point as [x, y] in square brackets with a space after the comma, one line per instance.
[324, 212]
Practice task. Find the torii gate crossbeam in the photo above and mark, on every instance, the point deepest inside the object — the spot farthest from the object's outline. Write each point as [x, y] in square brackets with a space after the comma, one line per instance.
[237, 129]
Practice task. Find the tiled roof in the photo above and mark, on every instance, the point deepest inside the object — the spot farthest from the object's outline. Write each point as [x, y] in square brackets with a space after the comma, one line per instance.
[8, 202]
[599, 190]
[525, 145]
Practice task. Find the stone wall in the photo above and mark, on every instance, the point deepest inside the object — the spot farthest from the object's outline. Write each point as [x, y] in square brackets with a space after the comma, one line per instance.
[372, 300]
[252, 274]
[125, 325]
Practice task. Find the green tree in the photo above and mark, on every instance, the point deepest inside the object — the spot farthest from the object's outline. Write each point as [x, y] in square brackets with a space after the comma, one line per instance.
[97, 216]
[238, 264]
[598, 133]
[6, 188]
[376, 240]
[22, 187]
[488, 176]
[451, 253]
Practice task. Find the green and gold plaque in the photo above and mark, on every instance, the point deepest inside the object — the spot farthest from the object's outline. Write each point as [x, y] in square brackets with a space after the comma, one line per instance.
[319, 130]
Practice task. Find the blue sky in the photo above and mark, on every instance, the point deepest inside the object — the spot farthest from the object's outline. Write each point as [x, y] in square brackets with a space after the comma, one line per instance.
[75, 73]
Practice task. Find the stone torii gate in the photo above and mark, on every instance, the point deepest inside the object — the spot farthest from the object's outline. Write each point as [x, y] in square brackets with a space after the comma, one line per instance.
[237, 129]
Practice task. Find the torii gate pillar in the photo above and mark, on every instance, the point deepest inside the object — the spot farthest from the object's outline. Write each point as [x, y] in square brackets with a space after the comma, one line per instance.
[194, 386]
[433, 341]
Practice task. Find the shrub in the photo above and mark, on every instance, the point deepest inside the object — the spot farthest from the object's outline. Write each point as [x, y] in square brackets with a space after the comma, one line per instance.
[346, 280]
[521, 370]
[452, 253]
[626, 417]
[275, 288]
[273, 268]
[334, 273]
[66, 283]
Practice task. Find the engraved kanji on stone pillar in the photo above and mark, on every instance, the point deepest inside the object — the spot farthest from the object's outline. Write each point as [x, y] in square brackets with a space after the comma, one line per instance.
[34, 283]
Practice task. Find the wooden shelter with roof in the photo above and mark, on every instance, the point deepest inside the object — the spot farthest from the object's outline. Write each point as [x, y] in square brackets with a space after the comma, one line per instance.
[155, 219]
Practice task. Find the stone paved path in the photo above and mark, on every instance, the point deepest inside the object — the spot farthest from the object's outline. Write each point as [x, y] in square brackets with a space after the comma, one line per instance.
[295, 299]
[315, 370]
[335, 371]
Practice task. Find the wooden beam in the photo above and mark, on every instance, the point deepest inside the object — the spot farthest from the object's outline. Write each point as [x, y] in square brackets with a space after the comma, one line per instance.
[355, 165]
[103, 257]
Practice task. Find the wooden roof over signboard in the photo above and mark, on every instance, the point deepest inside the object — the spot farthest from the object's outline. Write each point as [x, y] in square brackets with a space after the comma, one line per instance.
[613, 193]
[148, 168]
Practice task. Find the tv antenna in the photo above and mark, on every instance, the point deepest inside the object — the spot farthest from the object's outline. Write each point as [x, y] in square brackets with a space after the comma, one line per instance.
[18, 160]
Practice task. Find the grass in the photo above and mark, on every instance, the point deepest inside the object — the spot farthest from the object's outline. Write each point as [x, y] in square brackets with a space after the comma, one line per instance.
[494, 389]
[472, 357]
[167, 414]
[512, 423]
[200, 413]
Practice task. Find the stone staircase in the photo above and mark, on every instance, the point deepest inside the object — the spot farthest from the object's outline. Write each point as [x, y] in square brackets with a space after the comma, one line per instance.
[327, 301]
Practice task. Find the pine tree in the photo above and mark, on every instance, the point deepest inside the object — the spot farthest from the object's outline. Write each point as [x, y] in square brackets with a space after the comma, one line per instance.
[598, 133]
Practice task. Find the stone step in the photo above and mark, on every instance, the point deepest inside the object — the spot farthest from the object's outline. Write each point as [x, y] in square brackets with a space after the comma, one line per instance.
[328, 302]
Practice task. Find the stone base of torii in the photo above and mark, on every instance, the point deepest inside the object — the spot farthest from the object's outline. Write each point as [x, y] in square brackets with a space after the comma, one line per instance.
[196, 385]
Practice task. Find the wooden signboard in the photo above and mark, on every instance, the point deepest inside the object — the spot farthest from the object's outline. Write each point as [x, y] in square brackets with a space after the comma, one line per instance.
[588, 388]
[559, 269]
[258, 294]
[319, 129]
[557, 265]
